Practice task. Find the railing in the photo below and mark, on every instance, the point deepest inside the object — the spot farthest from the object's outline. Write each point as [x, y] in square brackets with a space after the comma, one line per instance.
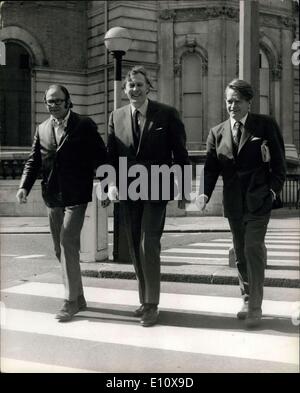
[11, 168]
[291, 192]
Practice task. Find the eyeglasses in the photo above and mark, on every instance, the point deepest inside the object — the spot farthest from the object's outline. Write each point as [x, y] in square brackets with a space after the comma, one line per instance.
[58, 101]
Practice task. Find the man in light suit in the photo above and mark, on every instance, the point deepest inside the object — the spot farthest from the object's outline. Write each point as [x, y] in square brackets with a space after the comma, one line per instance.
[148, 133]
[67, 149]
[248, 151]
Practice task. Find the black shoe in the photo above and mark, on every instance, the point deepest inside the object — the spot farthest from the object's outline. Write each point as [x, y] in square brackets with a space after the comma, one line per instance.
[67, 311]
[242, 314]
[81, 302]
[150, 316]
[139, 311]
[254, 318]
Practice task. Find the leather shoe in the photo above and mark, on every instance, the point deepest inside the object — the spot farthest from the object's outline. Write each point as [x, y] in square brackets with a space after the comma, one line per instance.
[254, 318]
[81, 302]
[139, 311]
[150, 316]
[242, 314]
[67, 311]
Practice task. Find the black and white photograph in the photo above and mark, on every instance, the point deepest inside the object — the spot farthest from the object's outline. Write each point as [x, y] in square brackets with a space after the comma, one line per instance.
[150, 189]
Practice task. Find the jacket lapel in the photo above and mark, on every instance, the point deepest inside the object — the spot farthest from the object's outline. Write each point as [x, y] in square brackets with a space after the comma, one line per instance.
[226, 147]
[150, 116]
[68, 130]
[247, 132]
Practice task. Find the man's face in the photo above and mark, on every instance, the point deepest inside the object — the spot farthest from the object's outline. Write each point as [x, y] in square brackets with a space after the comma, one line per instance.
[237, 106]
[56, 103]
[136, 90]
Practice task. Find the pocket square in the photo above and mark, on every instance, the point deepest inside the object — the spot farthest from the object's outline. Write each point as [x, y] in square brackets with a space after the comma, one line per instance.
[158, 129]
[255, 138]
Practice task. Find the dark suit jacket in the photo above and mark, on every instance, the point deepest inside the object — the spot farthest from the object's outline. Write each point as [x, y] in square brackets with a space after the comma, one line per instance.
[162, 143]
[67, 169]
[247, 179]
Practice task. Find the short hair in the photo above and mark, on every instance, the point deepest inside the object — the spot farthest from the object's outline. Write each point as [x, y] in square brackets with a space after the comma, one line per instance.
[242, 87]
[63, 89]
[139, 69]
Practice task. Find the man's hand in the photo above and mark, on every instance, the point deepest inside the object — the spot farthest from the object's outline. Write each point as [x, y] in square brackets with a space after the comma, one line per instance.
[113, 193]
[22, 195]
[201, 201]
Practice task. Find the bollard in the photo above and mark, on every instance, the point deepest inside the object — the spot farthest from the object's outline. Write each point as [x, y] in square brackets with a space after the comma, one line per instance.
[94, 234]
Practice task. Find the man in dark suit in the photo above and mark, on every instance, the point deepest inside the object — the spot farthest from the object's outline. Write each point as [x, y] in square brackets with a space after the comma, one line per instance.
[248, 151]
[149, 134]
[67, 148]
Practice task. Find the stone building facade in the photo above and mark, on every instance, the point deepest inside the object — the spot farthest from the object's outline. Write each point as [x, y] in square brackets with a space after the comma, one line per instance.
[190, 47]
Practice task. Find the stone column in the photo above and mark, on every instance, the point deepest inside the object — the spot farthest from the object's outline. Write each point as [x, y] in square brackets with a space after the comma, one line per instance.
[166, 56]
[215, 92]
[287, 88]
[249, 47]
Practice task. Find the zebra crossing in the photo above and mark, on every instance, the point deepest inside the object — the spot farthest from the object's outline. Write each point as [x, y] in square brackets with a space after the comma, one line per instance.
[282, 250]
[195, 331]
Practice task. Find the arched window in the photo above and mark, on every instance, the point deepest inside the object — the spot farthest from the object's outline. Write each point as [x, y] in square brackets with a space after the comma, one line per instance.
[192, 99]
[264, 84]
[15, 97]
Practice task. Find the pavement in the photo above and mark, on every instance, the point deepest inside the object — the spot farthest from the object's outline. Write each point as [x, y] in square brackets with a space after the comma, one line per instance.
[284, 275]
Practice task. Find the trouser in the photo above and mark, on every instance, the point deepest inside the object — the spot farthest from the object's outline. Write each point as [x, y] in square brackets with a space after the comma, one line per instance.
[144, 224]
[65, 226]
[249, 245]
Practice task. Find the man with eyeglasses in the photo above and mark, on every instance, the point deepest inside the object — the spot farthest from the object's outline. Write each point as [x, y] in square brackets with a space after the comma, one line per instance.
[67, 149]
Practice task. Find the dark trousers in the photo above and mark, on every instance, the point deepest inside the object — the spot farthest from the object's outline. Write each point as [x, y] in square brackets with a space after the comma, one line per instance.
[65, 226]
[144, 223]
[249, 245]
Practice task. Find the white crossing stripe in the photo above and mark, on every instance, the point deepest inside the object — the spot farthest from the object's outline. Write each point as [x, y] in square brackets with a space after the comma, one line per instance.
[199, 303]
[30, 256]
[21, 366]
[217, 342]
[273, 246]
[229, 241]
[289, 237]
[224, 252]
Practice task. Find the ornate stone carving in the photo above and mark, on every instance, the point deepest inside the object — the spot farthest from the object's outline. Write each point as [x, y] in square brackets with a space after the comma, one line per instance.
[190, 14]
[190, 42]
[277, 70]
[167, 14]
[204, 66]
[286, 21]
[177, 69]
[216, 12]
[204, 13]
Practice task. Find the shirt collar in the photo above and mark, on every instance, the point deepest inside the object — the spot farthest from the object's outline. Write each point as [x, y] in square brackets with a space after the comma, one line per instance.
[142, 109]
[63, 121]
[243, 120]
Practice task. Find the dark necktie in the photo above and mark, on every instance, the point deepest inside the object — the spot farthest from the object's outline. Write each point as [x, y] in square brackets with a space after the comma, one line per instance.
[136, 128]
[237, 132]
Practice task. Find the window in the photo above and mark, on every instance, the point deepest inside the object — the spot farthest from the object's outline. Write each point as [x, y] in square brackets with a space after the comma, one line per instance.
[15, 97]
[264, 86]
[192, 100]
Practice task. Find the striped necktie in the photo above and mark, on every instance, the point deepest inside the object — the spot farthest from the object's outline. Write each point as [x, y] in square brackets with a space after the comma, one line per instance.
[237, 132]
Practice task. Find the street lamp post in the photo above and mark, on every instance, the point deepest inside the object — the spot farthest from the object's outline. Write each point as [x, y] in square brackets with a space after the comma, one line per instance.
[117, 41]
